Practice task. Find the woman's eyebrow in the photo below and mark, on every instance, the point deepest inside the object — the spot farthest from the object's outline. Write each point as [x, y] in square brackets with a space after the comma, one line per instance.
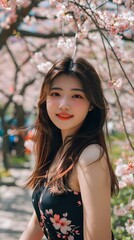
[73, 89]
[77, 89]
[56, 88]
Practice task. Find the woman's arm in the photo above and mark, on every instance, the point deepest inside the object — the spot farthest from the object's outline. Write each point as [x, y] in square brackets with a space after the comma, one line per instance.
[95, 187]
[33, 230]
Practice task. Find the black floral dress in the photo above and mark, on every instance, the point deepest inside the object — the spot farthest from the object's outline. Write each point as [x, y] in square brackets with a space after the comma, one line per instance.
[60, 216]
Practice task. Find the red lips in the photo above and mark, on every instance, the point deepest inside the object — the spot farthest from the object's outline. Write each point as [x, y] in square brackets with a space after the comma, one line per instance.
[64, 116]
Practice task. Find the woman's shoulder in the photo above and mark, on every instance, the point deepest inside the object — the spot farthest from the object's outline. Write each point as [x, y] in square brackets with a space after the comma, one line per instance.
[93, 163]
[91, 154]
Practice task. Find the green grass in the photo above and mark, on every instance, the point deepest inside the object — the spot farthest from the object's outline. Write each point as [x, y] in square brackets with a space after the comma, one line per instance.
[115, 152]
[118, 140]
[118, 136]
[18, 161]
[14, 161]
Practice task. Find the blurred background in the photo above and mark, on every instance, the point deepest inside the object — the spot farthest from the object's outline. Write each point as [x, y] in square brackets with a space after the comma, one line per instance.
[33, 34]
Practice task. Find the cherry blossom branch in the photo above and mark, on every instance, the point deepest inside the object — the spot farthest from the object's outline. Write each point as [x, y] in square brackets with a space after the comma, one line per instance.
[112, 49]
[3, 110]
[30, 82]
[6, 95]
[36, 50]
[118, 60]
[101, 5]
[45, 36]
[16, 66]
[21, 13]
[107, 59]
[120, 107]
[93, 18]
[12, 57]
[127, 39]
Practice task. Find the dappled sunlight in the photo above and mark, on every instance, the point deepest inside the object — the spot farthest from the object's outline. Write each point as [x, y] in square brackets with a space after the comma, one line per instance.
[17, 209]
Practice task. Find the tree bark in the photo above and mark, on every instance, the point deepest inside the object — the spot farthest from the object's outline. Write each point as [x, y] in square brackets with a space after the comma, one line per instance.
[20, 116]
[5, 144]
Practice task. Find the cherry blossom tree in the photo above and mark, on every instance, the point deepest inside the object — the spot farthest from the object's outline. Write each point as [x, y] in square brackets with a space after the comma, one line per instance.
[82, 24]
[33, 34]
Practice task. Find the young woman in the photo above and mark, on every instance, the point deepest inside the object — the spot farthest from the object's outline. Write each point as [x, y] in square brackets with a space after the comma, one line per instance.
[73, 179]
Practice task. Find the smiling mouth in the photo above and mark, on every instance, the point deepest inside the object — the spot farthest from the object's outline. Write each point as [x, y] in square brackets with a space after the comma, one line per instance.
[64, 117]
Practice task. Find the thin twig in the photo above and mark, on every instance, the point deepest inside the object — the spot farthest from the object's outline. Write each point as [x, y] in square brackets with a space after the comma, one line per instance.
[102, 5]
[13, 58]
[122, 118]
[108, 64]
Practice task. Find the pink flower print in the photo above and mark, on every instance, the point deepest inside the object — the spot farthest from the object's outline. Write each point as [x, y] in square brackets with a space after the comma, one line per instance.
[59, 235]
[56, 221]
[79, 203]
[65, 214]
[41, 224]
[70, 238]
[64, 225]
[42, 215]
[77, 232]
[50, 211]
[76, 193]
[61, 223]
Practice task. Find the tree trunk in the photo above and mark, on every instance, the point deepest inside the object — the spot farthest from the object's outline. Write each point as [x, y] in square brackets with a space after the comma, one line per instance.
[20, 125]
[5, 144]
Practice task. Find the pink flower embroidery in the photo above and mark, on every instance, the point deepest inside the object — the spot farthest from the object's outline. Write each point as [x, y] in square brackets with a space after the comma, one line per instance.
[61, 223]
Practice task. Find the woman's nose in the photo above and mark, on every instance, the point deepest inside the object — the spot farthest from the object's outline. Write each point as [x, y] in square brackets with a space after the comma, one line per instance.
[64, 104]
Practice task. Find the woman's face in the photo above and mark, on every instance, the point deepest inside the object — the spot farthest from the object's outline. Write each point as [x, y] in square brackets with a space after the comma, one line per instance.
[67, 104]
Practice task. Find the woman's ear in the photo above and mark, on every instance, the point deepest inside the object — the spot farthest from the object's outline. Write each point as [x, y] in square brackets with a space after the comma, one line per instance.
[91, 108]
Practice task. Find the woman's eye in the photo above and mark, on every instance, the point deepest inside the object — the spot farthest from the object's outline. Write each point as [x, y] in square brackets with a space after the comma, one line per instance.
[77, 96]
[54, 94]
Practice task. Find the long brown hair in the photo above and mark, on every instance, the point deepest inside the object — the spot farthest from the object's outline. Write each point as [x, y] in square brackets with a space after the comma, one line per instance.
[48, 138]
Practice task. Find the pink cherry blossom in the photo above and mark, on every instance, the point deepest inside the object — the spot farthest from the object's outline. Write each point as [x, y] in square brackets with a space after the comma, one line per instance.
[18, 99]
[44, 67]
[65, 43]
[129, 4]
[130, 168]
[128, 179]
[118, 1]
[116, 84]
[122, 184]
[130, 227]
[119, 211]
[120, 169]
[4, 3]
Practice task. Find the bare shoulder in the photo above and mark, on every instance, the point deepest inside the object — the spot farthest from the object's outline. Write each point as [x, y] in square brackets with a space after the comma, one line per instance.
[90, 155]
[92, 168]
